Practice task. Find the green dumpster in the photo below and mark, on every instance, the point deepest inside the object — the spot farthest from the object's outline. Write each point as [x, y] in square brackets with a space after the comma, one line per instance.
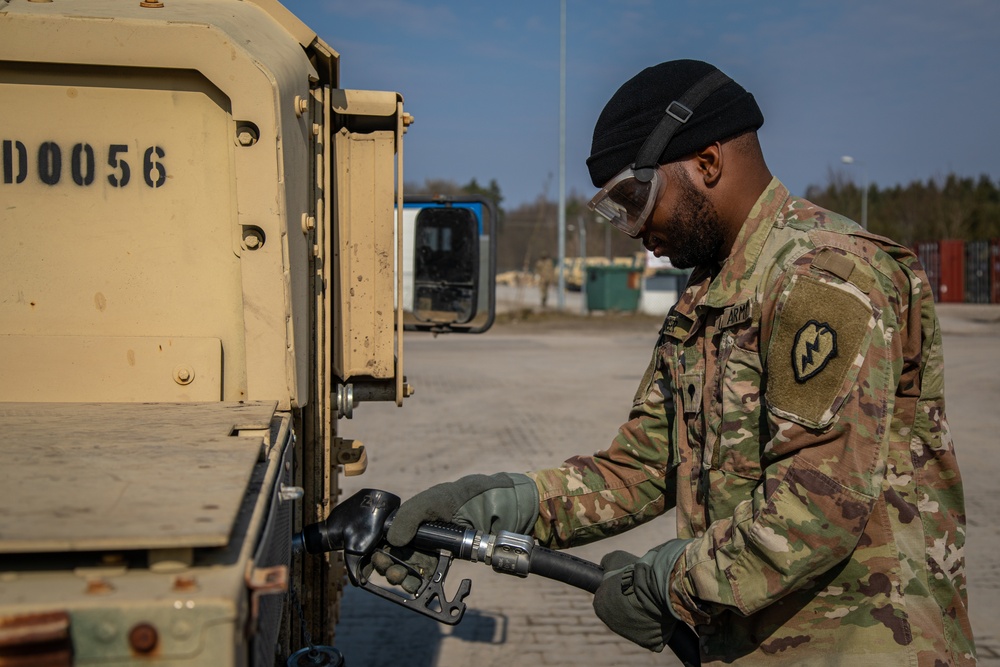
[613, 287]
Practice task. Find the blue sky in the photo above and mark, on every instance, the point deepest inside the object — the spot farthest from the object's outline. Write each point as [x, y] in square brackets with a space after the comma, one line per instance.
[909, 88]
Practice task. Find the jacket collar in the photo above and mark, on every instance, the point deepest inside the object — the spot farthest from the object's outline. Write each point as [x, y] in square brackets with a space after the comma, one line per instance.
[740, 265]
[718, 287]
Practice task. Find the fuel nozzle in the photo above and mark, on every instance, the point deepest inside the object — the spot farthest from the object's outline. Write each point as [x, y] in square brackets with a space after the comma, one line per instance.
[298, 544]
[355, 526]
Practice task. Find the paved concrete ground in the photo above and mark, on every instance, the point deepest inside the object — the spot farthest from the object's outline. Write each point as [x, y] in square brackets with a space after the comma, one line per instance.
[529, 393]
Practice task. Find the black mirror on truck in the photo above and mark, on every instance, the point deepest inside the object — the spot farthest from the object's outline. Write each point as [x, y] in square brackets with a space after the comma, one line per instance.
[449, 263]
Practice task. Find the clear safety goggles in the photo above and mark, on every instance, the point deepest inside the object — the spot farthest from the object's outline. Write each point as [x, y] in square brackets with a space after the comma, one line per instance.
[626, 201]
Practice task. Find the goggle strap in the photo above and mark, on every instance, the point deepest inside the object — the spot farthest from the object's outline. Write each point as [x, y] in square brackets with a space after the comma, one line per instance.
[676, 114]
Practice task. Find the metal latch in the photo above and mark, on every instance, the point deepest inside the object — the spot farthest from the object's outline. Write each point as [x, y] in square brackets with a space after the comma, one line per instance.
[351, 455]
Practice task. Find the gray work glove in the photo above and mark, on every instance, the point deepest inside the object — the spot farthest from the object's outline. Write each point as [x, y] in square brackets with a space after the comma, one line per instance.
[491, 503]
[634, 598]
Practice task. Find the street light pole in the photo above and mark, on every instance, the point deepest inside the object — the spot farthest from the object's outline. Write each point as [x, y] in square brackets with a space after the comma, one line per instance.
[847, 159]
[562, 155]
[583, 261]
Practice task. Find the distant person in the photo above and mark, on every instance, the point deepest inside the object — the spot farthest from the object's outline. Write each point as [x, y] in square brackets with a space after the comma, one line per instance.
[546, 272]
[793, 415]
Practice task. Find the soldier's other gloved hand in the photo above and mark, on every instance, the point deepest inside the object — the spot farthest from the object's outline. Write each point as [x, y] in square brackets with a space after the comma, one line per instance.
[504, 501]
[634, 598]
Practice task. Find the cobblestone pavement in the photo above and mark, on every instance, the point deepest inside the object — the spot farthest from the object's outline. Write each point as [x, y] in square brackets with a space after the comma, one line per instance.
[529, 393]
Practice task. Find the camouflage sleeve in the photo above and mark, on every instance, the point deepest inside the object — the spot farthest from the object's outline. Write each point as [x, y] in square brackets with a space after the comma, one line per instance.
[592, 497]
[832, 363]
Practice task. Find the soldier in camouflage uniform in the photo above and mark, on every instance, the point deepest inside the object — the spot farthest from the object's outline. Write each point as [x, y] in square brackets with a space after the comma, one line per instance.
[546, 272]
[792, 413]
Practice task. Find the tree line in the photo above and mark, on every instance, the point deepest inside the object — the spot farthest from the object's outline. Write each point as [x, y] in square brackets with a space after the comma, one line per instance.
[951, 207]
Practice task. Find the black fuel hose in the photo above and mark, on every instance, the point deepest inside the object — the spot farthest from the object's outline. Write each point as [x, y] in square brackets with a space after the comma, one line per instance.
[364, 518]
[566, 568]
[587, 576]
[556, 565]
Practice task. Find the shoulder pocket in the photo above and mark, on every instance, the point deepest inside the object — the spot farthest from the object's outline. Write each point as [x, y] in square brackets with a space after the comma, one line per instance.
[821, 336]
[646, 383]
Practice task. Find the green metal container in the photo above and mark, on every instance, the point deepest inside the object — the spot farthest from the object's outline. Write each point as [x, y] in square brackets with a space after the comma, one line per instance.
[613, 288]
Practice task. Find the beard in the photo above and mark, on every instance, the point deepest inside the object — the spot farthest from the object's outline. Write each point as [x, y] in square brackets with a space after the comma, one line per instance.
[696, 234]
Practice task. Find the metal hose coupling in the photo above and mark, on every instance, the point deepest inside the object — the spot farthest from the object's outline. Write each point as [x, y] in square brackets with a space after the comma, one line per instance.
[505, 552]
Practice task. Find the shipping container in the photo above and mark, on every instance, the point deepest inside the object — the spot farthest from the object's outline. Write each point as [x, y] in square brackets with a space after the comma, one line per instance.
[930, 258]
[977, 272]
[951, 285]
[995, 271]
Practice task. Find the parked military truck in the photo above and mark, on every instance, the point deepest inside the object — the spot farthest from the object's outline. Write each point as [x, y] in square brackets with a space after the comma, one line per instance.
[201, 273]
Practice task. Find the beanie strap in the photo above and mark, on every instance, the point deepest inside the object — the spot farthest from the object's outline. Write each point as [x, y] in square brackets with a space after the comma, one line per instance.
[676, 114]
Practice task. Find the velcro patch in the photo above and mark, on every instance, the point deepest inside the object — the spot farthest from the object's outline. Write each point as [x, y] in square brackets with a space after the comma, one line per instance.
[837, 264]
[821, 336]
[736, 314]
[691, 385]
[844, 268]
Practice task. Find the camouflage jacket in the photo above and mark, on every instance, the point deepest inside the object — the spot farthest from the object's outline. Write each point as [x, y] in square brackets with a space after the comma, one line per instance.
[793, 414]
[546, 270]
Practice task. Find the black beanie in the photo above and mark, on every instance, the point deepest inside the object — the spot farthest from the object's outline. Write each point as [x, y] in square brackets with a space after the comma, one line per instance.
[635, 109]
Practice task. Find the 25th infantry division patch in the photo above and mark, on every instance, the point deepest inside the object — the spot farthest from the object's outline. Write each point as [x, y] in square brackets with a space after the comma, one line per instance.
[815, 345]
[821, 332]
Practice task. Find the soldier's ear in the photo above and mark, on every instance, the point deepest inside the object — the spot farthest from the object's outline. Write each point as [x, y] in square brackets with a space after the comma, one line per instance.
[708, 164]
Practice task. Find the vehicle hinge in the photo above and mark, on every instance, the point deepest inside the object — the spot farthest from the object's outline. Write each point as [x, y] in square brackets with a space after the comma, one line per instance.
[262, 581]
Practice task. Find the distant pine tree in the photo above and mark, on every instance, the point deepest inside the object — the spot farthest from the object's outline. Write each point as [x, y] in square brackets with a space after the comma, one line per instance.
[949, 207]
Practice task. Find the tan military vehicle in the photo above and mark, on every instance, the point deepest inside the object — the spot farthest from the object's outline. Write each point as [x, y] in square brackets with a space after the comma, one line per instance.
[201, 270]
